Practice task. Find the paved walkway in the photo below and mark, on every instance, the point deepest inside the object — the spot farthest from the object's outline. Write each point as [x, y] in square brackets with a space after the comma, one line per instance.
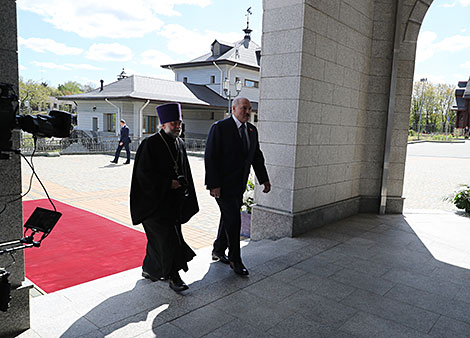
[365, 276]
[92, 183]
[432, 172]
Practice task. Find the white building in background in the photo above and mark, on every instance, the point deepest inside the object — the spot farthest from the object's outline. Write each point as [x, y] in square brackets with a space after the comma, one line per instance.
[204, 86]
[236, 62]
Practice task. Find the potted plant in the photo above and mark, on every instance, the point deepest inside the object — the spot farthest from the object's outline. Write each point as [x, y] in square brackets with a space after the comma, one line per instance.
[461, 198]
[245, 211]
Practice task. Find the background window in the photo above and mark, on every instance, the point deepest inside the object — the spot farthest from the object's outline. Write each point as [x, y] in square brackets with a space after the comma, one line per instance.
[212, 79]
[251, 84]
[150, 124]
[110, 122]
[185, 79]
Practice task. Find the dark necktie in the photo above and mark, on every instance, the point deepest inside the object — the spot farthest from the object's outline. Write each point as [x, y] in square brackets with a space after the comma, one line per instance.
[244, 140]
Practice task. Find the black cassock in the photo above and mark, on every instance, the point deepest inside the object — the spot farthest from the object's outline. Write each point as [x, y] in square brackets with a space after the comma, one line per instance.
[159, 208]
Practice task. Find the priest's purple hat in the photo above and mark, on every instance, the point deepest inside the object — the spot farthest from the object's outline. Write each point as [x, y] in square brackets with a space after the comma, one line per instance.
[169, 112]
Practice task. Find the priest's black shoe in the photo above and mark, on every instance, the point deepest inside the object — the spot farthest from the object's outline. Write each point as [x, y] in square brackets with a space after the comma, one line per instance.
[177, 284]
[149, 276]
[221, 258]
[239, 268]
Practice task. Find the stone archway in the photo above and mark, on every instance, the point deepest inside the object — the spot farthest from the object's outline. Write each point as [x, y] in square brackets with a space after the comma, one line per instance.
[324, 113]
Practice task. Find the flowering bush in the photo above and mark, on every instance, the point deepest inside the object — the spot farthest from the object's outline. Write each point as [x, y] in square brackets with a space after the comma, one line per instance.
[248, 196]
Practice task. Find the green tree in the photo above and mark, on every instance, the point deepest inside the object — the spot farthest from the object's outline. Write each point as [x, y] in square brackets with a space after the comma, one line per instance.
[70, 88]
[34, 96]
[435, 103]
[87, 88]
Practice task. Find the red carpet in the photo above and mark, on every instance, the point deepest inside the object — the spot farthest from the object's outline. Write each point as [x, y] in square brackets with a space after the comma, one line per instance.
[81, 247]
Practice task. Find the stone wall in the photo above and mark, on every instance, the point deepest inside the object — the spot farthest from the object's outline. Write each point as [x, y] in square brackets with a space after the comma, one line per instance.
[17, 317]
[323, 113]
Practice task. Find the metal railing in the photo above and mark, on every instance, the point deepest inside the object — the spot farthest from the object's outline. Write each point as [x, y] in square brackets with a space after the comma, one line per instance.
[92, 145]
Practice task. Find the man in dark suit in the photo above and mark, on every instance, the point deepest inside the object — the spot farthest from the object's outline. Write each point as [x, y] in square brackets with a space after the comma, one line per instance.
[232, 147]
[123, 142]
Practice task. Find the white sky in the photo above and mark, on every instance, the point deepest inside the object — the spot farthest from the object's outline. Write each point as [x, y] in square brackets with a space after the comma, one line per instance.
[89, 40]
[443, 52]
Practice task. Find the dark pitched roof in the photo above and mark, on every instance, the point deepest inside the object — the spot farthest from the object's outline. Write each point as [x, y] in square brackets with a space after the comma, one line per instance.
[462, 94]
[466, 94]
[243, 52]
[148, 88]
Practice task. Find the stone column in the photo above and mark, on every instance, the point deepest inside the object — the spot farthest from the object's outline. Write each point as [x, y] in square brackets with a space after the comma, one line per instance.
[16, 319]
[312, 116]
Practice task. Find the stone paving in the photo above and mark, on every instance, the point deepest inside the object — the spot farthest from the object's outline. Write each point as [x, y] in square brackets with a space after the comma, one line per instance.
[433, 171]
[365, 276]
[92, 183]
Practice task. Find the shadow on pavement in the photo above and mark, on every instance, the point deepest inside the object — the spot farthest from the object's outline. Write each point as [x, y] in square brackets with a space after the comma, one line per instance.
[364, 276]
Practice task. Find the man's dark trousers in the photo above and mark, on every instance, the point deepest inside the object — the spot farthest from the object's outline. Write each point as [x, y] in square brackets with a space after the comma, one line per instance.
[118, 151]
[229, 227]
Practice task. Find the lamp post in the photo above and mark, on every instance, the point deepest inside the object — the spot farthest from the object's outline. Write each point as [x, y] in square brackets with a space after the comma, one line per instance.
[423, 80]
[228, 93]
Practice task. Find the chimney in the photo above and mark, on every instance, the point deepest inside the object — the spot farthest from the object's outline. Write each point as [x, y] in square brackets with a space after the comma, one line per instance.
[101, 88]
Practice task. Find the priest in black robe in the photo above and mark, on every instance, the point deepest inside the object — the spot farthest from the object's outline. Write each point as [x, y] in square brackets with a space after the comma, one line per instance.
[163, 198]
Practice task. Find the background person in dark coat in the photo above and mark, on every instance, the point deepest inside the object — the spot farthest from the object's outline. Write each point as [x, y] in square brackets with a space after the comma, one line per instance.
[123, 142]
[163, 197]
[232, 147]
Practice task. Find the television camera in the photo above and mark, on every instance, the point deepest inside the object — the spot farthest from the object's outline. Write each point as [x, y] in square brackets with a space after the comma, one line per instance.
[56, 124]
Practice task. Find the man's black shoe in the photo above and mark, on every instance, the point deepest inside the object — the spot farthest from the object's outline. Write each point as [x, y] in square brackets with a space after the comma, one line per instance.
[127, 162]
[221, 258]
[239, 268]
[177, 284]
[149, 276]
[115, 162]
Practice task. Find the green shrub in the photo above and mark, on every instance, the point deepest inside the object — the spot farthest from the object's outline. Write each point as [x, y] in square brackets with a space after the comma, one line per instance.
[438, 137]
[248, 196]
[461, 198]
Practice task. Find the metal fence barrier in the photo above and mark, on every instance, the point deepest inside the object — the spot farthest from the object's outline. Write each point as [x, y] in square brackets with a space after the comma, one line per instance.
[92, 145]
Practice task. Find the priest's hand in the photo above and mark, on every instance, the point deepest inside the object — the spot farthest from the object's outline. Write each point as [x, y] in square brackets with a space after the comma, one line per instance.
[215, 192]
[175, 184]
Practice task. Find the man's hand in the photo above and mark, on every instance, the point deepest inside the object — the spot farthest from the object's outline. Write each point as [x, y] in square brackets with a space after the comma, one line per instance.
[267, 187]
[175, 184]
[120, 143]
[215, 192]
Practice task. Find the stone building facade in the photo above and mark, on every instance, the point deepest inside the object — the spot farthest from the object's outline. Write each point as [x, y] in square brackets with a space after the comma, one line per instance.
[462, 106]
[334, 121]
[11, 222]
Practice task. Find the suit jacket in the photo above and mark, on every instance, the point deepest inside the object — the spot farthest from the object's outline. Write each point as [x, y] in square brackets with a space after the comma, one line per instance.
[226, 165]
[125, 139]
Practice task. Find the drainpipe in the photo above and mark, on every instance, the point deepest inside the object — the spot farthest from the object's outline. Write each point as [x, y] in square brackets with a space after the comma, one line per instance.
[118, 115]
[141, 110]
[221, 92]
[391, 107]
[169, 67]
[228, 92]
[228, 73]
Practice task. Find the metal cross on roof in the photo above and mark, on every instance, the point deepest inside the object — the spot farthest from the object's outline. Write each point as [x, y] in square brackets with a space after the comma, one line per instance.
[248, 17]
